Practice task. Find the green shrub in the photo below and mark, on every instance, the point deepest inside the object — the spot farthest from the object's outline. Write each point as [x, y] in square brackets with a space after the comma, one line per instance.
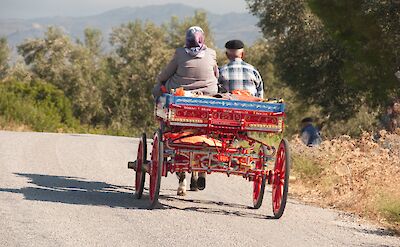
[38, 105]
[389, 207]
[306, 168]
[364, 120]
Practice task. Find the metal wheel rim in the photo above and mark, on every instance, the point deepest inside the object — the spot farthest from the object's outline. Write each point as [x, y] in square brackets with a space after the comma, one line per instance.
[154, 167]
[258, 180]
[279, 178]
[139, 172]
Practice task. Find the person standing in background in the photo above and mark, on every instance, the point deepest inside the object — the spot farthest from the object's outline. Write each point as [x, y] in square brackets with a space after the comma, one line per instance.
[309, 134]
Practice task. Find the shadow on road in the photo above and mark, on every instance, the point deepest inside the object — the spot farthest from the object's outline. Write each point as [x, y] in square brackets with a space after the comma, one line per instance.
[207, 202]
[378, 231]
[217, 208]
[74, 190]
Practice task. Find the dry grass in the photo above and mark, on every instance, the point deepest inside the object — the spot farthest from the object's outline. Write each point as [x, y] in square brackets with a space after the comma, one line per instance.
[356, 175]
[12, 126]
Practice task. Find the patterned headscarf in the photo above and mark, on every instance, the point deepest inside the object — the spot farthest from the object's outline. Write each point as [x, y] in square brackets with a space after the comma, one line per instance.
[195, 42]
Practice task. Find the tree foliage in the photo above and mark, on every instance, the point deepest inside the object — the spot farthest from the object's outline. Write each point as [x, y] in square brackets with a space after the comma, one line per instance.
[93, 41]
[369, 32]
[176, 29]
[4, 56]
[39, 105]
[140, 53]
[306, 58]
[70, 67]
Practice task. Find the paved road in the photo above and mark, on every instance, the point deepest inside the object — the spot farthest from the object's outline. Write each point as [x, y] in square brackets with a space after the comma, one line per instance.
[75, 190]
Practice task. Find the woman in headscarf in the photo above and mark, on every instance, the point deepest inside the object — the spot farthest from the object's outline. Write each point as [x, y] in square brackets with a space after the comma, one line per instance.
[193, 67]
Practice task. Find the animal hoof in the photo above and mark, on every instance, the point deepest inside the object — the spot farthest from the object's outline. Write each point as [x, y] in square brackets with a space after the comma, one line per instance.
[181, 193]
[201, 183]
[193, 186]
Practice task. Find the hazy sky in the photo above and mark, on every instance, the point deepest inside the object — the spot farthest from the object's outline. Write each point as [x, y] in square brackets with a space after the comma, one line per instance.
[46, 8]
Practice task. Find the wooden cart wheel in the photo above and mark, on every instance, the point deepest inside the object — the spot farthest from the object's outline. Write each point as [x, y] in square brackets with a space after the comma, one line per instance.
[259, 182]
[157, 159]
[140, 173]
[280, 181]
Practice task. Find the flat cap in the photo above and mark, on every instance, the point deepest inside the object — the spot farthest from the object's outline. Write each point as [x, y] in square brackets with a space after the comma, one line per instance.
[307, 120]
[234, 44]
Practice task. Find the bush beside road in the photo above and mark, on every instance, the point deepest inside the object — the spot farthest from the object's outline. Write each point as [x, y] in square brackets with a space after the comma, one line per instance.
[356, 175]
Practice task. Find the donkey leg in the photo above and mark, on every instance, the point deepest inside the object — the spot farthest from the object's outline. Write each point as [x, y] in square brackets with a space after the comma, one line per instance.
[193, 181]
[182, 184]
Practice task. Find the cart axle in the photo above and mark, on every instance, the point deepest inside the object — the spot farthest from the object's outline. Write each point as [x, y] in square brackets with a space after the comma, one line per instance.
[145, 165]
[132, 165]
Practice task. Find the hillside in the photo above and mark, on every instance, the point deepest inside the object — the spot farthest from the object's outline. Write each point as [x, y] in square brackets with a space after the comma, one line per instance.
[243, 27]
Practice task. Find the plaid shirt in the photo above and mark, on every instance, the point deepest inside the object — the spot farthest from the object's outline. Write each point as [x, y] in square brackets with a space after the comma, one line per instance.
[240, 75]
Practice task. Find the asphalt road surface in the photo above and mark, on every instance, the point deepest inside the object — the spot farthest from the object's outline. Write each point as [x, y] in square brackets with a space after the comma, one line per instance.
[76, 190]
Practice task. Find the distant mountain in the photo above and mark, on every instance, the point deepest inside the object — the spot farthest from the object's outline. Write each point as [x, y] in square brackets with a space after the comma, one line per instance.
[226, 26]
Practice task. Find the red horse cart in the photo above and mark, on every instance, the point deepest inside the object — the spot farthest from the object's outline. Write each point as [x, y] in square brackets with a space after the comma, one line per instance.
[224, 145]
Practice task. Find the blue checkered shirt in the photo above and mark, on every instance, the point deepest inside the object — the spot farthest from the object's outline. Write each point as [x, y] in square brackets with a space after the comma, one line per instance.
[238, 74]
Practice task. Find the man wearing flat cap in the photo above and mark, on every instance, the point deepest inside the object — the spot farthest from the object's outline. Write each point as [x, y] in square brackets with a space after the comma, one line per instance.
[237, 74]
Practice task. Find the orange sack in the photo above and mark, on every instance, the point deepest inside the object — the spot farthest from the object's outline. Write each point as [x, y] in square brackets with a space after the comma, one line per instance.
[240, 94]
